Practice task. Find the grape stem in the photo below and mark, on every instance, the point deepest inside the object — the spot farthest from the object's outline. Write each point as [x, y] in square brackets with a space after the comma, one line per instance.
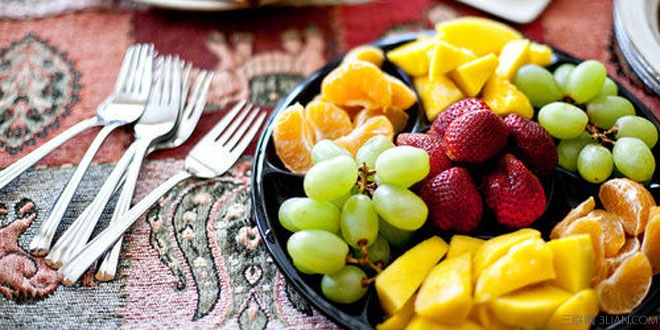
[605, 138]
[364, 259]
[363, 179]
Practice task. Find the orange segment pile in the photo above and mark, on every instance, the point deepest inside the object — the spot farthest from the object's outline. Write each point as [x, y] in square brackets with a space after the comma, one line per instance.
[626, 240]
[357, 101]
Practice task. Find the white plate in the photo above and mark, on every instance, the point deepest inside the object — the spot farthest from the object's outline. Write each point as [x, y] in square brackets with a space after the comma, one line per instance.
[206, 5]
[518, 11]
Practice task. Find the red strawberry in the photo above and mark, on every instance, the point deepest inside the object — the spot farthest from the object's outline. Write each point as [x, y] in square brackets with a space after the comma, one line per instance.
[513, 193]
[457, 109]
[453, 200]
[537, 149]
[433, 146]
[475, 137]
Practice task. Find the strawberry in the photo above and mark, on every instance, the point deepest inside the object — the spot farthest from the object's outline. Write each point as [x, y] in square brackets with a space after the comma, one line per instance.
[475, 137]
[535, 145]
[513, 193]
[453, 200]
[440, 123]
[433, 146]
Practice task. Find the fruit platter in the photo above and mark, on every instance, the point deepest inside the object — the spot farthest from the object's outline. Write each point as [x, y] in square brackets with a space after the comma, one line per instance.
[424, 182]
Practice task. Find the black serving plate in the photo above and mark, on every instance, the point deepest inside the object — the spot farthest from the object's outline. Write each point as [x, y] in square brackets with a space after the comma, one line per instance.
[272, 183]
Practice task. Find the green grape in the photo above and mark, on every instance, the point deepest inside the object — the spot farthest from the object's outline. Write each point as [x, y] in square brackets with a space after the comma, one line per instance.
[378, 252]
[562, 120]
[339, 202]
[568, 150]
[586, 81]
[346, 286]
[359, 221]
[370, 150]
[603, 112]
[400, 207]
[395, 236]
[609, 88]
[402, 165]
[562, 74]
[306, 213]
[595, 163]
[635, 126]
[634, 159]
[331, 179]
[538, 84]
[317, 251]
[326, 149]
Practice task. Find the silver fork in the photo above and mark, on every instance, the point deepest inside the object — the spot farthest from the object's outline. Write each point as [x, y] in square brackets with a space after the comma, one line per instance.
[157, 122]
[212, 156]
[136, 70]
[124, 105]
[191, 111]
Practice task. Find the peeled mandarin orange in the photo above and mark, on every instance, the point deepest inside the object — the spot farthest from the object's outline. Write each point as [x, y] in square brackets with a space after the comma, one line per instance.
[357, 83]
[627, 287]
[651, 243]
[329, 120]
[294, 137]
[614, 236]
[377, 125]
[631, 246]
[368, 53]
[629, 199]
[592, 227]
[578, 212]
[399, 119]
[403, 97]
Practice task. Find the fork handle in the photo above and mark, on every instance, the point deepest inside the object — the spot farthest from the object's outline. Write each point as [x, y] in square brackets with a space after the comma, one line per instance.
[15, 169]
[71, 271]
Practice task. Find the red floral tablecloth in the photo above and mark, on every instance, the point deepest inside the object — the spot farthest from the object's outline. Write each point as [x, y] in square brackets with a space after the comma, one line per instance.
[196, 259]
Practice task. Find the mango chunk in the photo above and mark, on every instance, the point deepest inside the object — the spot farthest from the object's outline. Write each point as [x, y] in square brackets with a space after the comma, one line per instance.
[421, 323]
[503, 97]
[471, 76]
[413, 57]
[526, 263]
[513, 55]
[399, 320]
[576, 313]
[399, 281]
[496, 247]
[540, 54]
[446, 294]
[446, 57]
[460, 244]
[529, 308]
[436, 95]
[480, 35]
[574, 262]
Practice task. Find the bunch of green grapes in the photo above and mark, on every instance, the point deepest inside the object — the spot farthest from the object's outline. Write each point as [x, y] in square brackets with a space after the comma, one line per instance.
[354, 210]
[598, 131]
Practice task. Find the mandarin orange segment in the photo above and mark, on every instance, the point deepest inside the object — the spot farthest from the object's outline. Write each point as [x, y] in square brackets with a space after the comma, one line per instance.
[651, 243]
[357, 83]
[578, 212]
[329, 120]
[631, 246]
[368, 53]
[403, 97]
[593, 228]
[614, 235]
[399, 119]
[377, 125]
[294, 138]
[629, 199]
[627, 287]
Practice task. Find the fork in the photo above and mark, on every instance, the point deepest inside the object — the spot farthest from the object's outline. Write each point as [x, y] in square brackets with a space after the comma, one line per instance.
[124, 105]
[157, 122]
[212, 156]
[190, 114]
[134, 72]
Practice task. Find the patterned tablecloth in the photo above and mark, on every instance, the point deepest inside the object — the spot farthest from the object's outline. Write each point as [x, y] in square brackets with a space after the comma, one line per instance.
[196, 259]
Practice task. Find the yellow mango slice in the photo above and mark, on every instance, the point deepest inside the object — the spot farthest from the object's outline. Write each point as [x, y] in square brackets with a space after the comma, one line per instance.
[513, 55]
[446, 294]
[436, 95]
[496, 247]
[576, 313]
[399, 281]
[503, 97]
[574, 262]
[460, 244]
[399, 320]
[483, 315]
[413, 57]
[480, 35]
[526, 263]
[529, 308]
[540, 54]
[446, 57]
[421, 323]
[471, 76]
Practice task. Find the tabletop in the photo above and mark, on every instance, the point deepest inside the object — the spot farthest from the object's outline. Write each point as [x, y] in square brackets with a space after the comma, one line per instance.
[196, 259]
